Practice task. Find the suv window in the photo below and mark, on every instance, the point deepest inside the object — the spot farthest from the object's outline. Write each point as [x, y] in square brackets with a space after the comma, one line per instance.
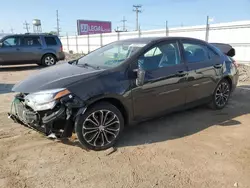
[31, 41]
[162, 55]
[11, 41]
[198, 53]
[50, 41]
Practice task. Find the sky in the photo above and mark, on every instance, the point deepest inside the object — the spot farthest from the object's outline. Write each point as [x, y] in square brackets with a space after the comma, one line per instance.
[154, 13]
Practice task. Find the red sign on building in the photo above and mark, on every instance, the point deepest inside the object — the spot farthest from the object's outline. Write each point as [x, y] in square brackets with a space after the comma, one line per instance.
[85, 27]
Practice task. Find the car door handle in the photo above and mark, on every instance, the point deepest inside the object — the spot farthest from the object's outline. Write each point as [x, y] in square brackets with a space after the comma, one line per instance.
[181, 73]
[217, 66]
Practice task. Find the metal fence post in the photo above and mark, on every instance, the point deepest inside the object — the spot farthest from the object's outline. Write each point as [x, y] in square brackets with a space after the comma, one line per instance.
[88, 44]
[76, 43]
[101, 39]
[167, 30]
[67, 41]
[118, 35]
[207, 29]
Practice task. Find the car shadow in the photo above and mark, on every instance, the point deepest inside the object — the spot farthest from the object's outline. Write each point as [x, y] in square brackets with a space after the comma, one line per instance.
[19, 68]
[5, 88]
[186, 123]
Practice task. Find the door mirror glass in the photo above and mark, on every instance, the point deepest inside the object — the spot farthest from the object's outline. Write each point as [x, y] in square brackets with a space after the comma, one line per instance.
[140, 74]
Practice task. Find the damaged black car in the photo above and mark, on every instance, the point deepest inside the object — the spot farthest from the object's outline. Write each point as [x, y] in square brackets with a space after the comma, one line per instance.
[123, 83]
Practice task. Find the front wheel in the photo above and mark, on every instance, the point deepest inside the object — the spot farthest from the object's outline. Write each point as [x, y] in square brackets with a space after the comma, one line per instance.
[221, 95]
[100, 126]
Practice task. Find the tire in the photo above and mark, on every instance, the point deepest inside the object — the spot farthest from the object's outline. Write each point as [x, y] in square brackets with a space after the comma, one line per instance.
[94, 133]
[48, 60]
[221, 95]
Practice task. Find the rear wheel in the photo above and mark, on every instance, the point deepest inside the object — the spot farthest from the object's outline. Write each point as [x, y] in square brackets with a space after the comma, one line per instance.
[100, 126]
[221, 95]
[48, 60]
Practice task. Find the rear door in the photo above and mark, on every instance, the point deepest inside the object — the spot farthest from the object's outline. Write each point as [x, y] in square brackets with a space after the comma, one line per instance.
[10, 50]
[31, 48]
[165, 81]
[204, 69]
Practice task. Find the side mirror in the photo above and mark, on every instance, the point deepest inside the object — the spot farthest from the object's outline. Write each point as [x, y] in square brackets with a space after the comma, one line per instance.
[140, 76]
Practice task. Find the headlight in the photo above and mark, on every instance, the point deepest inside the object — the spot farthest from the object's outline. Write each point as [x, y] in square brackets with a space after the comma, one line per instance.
[45, 100]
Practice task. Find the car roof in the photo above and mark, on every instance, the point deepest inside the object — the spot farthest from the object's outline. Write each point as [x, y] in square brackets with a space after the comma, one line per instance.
[31, 34]
[151, 39]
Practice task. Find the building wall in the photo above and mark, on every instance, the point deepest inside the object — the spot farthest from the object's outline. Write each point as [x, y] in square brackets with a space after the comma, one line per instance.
[235, 33]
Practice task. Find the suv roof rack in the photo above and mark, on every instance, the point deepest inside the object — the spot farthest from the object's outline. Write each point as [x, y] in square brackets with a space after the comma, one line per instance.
[39, 34]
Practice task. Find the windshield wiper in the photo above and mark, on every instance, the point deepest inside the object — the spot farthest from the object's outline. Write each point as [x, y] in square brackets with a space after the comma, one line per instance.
[88, 65]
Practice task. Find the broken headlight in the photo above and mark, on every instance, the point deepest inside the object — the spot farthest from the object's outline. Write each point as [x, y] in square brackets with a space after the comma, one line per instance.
[45, 100]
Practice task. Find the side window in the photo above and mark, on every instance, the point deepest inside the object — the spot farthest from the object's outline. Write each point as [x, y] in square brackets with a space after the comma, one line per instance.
[50, 41]
[195, 53]
[153, 52]
[11, 42]
[162, 55]
[31, 41]
[212, 54]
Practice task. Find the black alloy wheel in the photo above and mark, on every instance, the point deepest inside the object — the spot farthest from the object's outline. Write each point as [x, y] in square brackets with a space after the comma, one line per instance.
[221, 95]
[99, 127]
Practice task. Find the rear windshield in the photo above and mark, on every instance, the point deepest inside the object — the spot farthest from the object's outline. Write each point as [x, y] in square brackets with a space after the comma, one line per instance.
[50, 41]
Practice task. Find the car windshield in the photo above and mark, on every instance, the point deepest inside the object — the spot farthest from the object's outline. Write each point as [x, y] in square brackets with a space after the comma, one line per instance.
[110, 55]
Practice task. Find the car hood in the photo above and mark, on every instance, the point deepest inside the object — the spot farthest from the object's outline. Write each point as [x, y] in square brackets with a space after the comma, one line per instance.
[58, 76]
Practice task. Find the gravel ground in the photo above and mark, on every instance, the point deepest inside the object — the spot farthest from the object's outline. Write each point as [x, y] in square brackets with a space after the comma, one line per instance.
[244, 73]
[194, 148]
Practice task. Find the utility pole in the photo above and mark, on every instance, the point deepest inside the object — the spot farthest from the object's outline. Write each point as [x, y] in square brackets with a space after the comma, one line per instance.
[2, 31]
[26, 26]
[57, 23]
[124, 23]
[137, 11]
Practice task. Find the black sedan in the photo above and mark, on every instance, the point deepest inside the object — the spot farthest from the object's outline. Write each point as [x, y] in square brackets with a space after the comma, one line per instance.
[123, 83]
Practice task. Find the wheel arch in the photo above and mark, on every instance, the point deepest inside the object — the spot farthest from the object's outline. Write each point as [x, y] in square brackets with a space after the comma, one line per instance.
[114, 101]
[49, 53]
[229, 79]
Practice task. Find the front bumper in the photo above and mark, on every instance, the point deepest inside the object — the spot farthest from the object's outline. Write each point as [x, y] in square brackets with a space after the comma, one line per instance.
[46, 122]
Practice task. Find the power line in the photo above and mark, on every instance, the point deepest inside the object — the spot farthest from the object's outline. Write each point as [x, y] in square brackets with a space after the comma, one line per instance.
[124, 23]
[26, 26]
[137, 11]
[57, 23]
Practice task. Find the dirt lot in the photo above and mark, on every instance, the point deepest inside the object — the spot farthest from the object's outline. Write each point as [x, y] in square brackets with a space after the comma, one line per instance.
[195, 148]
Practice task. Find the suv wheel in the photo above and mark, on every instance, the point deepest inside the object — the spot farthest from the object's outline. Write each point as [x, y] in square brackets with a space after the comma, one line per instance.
[221, 95]
[48, 60]
[100, 126]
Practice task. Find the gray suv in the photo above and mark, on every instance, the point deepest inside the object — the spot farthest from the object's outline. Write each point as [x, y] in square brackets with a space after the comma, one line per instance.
[42, 49]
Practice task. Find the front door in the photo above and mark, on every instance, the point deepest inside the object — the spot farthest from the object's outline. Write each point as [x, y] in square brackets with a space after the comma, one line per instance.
[10, 51]
[165, 81]
[204, 66]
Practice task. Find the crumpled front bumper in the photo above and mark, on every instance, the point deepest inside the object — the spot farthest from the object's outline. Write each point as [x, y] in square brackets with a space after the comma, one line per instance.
[41, 122]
